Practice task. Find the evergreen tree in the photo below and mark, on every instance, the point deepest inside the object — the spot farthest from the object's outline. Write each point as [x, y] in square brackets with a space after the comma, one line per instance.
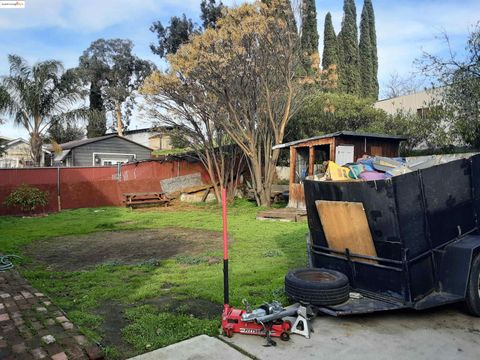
[330, 50]
[97, 120]
[210, 12]
[365, 52]
[284, 9]
[349, 75]
[309, 40]
[171, 37]
[373, 41]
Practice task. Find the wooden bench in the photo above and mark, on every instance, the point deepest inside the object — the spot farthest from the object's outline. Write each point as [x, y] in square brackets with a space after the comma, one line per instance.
[134, 200]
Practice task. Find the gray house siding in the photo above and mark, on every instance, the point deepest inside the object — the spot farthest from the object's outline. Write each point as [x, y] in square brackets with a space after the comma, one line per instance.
[109, 149]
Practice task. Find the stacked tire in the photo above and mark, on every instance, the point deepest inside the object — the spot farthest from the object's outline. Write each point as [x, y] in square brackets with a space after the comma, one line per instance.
[320, 287]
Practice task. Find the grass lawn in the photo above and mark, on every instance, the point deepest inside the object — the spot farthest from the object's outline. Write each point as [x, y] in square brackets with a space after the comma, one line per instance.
[132, 309]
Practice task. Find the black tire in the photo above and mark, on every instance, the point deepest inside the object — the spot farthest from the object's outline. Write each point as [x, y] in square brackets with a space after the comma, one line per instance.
[317, 286]
[473, 289]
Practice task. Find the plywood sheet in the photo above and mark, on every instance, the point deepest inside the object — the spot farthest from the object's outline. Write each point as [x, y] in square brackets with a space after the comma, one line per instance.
[346, 227]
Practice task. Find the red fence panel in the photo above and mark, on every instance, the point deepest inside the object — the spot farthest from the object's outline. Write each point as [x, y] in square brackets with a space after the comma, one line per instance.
[93, 186]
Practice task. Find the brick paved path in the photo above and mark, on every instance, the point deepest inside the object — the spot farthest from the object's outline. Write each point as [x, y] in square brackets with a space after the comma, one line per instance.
[31, 327]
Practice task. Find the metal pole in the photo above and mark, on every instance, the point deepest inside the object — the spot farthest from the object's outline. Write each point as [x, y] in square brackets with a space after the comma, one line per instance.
[59, 202]
[225, 248]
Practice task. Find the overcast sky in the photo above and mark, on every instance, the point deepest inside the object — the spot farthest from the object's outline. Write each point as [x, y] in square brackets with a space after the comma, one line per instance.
[62, 29]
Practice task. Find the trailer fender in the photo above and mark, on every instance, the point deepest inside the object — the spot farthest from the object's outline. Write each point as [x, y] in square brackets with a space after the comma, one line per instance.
[456, 263]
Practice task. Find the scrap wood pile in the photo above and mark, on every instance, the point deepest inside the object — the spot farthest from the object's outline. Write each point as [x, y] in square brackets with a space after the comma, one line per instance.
[379, 168]
[198, 193]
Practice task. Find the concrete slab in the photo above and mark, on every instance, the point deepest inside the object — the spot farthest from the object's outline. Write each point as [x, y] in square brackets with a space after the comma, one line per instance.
[442, 333]
[201, 347]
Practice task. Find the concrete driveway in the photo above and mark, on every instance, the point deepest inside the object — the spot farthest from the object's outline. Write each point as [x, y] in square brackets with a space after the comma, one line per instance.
[442, 333]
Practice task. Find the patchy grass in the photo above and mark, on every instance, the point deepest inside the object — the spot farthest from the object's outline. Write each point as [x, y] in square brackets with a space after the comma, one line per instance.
[260, 255]
[151, 329]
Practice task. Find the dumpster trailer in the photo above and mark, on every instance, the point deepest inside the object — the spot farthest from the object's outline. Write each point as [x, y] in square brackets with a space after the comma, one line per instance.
[420, 243]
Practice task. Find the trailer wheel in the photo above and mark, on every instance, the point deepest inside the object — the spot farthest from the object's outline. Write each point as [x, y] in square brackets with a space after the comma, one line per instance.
[317, 286]
[473, 291]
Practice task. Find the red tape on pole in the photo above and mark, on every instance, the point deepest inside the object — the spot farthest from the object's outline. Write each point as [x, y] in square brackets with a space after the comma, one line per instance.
[224, 216]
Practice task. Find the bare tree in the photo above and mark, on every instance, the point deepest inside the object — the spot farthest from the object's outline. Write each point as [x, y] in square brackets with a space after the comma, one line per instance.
[460, 78]
[249, 67]
[398, 85]
[186, 107]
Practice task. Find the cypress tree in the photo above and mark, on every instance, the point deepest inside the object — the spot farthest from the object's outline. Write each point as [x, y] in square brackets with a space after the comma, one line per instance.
[349, 76]
[373, 41]
[309, 40]
[284, 9]
[330, 51]
[365, 51]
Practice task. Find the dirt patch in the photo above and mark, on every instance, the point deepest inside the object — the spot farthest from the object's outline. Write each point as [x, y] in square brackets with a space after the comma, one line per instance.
[122, 247]
[199, 308]
[113, 314]
[111, 328]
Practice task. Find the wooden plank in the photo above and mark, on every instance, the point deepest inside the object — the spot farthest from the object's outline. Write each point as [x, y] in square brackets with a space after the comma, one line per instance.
[346, 227]
[311, 159]
[323, 141]
[293, 154]
[332, 149]
[205, 194]
[156, 193]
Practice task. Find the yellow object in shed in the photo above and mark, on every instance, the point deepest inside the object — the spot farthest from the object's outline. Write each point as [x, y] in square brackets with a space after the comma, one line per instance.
[336, 172]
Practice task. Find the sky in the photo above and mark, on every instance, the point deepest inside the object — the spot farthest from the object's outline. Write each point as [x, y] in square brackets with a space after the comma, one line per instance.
[62, 29]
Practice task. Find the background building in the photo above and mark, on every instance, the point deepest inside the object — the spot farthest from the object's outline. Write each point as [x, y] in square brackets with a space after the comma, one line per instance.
[152, 138]
[16, 153]
[417, 103]
[100, 151]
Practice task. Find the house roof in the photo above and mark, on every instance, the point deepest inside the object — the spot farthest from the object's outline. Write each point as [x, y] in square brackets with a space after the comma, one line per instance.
[76, 143]
[12, 142]
[15, 141]
[342, 133]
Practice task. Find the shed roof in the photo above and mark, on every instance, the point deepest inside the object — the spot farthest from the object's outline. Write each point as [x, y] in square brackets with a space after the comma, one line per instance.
[76, 143]
[342, 133]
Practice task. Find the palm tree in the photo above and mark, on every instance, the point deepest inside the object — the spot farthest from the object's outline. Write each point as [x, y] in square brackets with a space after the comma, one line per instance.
[37, 96]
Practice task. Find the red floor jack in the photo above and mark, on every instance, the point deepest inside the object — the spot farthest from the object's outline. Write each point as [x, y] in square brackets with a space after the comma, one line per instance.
[269, 319]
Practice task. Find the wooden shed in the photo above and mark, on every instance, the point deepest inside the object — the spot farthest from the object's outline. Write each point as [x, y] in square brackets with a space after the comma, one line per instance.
[307, 155]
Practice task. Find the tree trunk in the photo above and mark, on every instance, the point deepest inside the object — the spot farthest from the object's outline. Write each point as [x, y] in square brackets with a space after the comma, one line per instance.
[36, 148]
[261, 196]
[118, 115]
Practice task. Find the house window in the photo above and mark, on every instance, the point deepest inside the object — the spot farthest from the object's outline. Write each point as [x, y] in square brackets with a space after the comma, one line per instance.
[109, 159]
[110, 162]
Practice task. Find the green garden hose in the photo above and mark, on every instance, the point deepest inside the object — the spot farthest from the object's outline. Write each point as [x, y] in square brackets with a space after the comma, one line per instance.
[6, 262]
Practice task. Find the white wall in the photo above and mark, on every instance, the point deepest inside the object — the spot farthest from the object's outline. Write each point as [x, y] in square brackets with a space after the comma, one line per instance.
[409, 103]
